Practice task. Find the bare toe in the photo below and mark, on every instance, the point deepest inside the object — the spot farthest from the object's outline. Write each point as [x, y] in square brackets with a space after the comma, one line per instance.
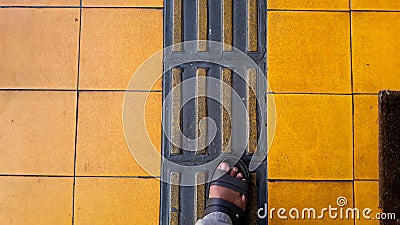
[234, 171]
[239, 176]
[223, 166]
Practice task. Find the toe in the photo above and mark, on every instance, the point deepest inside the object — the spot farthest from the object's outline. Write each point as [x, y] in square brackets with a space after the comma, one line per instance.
[239, 176]
[234, 171]
[224, 167]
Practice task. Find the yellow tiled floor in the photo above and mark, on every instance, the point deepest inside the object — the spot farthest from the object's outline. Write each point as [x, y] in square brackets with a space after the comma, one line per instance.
[315, 49]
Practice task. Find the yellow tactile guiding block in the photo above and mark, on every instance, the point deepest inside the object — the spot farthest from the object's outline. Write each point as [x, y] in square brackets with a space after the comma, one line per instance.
[101, 144]
[313, 138]
[308, 4]
[252, 26]
[227, 31]
[36, 200]
[177, 26]
[176, 114]
[305, 195]
[375, 5]
[39, 48]
[366, 132]
[174, 200]
[253, 200]
[200, 195]
[366, 195]
[39, 3]
[226, 111]
[309, 52]
[118, 201]
[251, 103]
[123, 3]
[113, 47]
[37, 134]
[376, 64]
[201, 111]
[202, 24]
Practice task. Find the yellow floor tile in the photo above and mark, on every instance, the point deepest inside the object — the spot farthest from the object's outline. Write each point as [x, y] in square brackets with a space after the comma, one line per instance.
[376, 64]
[366, 133]
[301, 195]
[366, 194]
[375, 5]
[35, 200]
[309, 5]
[39, 3]
[40, 49]
[136, 3]
[116, 201]
[102, 148]
[313, 138]
[309, 52]
[115, 42]
[38, 132]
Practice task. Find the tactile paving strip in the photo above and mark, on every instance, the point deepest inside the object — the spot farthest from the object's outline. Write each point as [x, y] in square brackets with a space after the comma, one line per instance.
[237, 23]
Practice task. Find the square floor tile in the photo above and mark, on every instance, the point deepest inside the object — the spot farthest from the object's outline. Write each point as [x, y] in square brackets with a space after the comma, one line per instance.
[366, 134]
[313, 138]
[115, 42]
[134, 3]
[308, 195]
[38, 132]
[40, 49]
[308, 5]
[39, 3]
[366, 194]
[117, 201]
[375, 5]
[36, 200]
[102, 144]
[309, 52]
[376, 63]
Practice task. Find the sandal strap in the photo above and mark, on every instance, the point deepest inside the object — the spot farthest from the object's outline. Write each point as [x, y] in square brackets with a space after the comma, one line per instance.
[221, 205]
[232, 183]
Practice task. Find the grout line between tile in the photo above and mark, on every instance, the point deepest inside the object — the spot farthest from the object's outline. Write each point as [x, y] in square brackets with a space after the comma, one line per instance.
[77, 111]
[79, 7]
[75, 90]
[331, 10]
[77, 176]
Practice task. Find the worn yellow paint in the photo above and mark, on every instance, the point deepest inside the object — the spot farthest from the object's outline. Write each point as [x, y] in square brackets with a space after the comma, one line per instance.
[375, 5]
[366, 195]
[201, 111]
[116, 3]
[38, 132]
[309, 4]
[313, 138]
[116, 201]
[176, 111]
[309, 52]
[226, 109]
[366, 133]
[174, 200]
[252, 26]
[202, 24]
[39, 48]
[302, 195]
[251, 103]
[177, 26]
[109, 63]
[36, 200]
[227, 31]
[101, 146]
[376, 65]
[200, 195]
